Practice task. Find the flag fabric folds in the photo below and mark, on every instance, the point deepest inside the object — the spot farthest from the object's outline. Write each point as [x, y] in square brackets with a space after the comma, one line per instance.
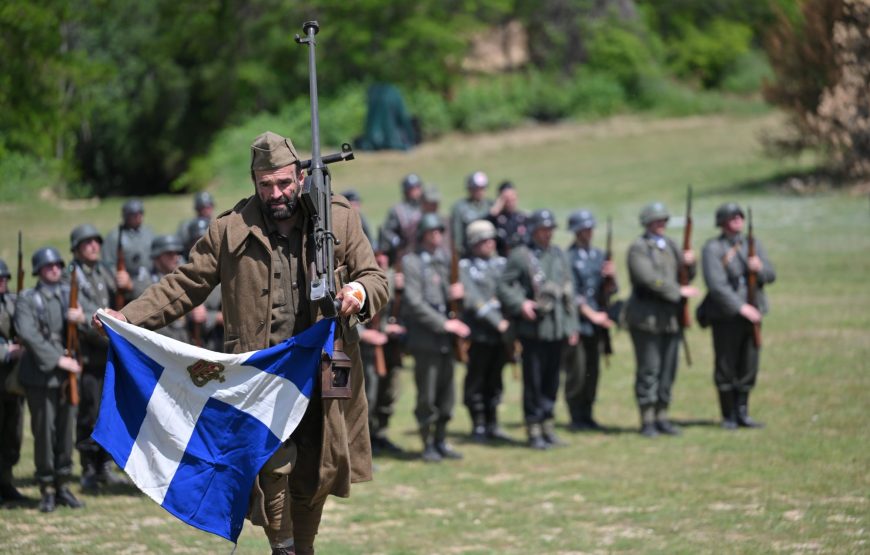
[192, 427]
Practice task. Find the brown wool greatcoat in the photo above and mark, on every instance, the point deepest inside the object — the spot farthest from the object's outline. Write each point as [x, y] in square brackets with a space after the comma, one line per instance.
[236, 254]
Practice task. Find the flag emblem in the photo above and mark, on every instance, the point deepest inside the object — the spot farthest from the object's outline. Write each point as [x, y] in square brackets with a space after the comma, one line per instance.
[203, 371]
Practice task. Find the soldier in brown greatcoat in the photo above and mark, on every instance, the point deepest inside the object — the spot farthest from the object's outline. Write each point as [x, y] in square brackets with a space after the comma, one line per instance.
[259, 254]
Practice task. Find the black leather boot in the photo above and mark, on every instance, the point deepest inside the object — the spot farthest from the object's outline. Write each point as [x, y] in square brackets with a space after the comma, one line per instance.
[648, 421]
[729, 410]
[548, 431]
[444, 449]
[89, 481]
[493, 430]
[536, 437]
[478, 426]
[663, 423]
[429, 454]
[65, 497]
[48, 502]
[743, 418]
[106, 474]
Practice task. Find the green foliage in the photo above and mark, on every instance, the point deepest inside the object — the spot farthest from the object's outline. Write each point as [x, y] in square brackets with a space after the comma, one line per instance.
[486, 105]
[747, 74]
[705, 55]
[431, 109]
[595, 94]
[624, 54]
[23, 176]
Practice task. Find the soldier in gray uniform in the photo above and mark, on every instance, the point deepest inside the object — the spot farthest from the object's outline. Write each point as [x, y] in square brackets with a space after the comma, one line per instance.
[473, 207]
[583, 361]
[11, 402]
[96, 286]
[536, 290]
[209, 334]
[40, 319]
[726, 264]
[511, 223]
[399, 232]
[482, 312]
[651, 315]
[135, 239]
[203, 206]
[352, 196]
[384, 331]
[430, 332]
[166, 251]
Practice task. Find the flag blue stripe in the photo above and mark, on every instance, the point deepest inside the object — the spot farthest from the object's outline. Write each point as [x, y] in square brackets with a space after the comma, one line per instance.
[131, 377]
[217, 471]
[294, 358]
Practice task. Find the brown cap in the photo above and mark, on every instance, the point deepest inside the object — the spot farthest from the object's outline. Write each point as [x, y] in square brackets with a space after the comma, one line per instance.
[271, 151]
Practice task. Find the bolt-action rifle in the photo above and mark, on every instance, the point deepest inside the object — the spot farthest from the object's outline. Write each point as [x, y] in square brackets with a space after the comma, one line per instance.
[608, 286]
[19, 287]
[120, 266]
[752, 282]
[685, 318]
[316, 202]
[460, 345]
[72, 337]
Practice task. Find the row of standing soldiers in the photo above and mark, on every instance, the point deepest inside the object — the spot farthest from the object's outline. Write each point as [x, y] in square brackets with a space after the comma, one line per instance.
[516, 295]
[52, 358]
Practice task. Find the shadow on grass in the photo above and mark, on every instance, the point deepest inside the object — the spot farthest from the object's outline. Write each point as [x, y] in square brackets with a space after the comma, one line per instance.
[788, 182]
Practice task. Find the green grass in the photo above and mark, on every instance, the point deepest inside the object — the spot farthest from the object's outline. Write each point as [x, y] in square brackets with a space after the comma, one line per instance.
[800, 485]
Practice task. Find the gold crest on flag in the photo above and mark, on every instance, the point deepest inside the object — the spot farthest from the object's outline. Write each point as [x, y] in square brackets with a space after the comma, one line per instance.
[203, 371]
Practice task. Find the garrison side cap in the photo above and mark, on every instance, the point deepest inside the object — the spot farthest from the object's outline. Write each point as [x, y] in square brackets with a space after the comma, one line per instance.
[271, 151]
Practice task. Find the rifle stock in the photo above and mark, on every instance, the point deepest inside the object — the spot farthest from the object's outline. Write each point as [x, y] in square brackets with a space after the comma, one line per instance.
[752, 282]
[72, 337]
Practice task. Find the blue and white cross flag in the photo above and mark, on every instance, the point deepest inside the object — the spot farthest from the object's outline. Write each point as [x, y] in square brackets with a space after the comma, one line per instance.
[192, 427]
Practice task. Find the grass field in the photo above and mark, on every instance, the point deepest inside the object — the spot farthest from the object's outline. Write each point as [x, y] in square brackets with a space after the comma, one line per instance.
[799, 486]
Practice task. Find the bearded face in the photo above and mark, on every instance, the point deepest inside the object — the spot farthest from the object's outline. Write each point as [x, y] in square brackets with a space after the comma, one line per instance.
[278, 190]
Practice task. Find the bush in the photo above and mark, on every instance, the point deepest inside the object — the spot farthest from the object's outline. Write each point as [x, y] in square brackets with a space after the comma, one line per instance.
[431, 110]
[540, 96]
[595, 94]
[707, 54]
[486, 105]
[624, 55]
[748, 72]
[23, 176]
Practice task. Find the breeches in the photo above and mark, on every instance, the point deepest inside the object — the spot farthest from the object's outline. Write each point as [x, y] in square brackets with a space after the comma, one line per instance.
[433, 374]
[582, 365]
[11, 432]
[656, 358]
[540, 378]
[483, 382]
[736, 366]
[52, 421]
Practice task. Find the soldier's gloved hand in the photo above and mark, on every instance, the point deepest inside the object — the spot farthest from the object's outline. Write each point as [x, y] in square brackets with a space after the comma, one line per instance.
[98, 325]
[69, 364]
[457, 327]
[528, 310]
[75, 315]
